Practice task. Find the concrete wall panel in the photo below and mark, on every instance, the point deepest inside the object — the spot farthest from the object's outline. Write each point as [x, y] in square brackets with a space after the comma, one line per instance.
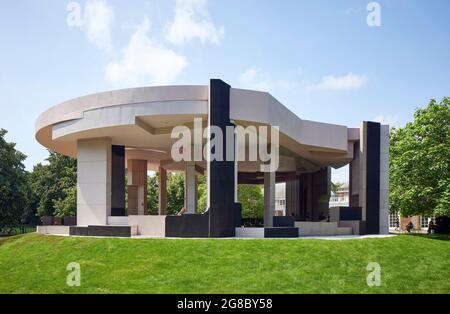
[93, 181]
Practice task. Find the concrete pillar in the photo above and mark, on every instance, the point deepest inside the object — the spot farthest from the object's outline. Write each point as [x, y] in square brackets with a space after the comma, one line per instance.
[189, 187]
[137, 187]
[93, 181]
[269, 198]
[162, 190]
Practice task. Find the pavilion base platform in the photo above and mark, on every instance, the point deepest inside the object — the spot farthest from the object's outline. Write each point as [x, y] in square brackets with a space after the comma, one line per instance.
[56, 230]
[104, 231]
[193, 226]
[267, 232]
[280, 232]
[308, 228]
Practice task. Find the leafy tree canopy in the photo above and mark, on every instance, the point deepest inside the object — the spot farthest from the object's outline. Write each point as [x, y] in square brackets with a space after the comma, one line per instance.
[152, 194]
[252, 201]
[175, 193]
[54, 186]
[336, 186]
[250, 196]
[14, 189]
[420, 163]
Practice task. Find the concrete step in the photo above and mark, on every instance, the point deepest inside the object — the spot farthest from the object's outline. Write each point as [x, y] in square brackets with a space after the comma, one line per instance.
[344, 231]
[273, 232]
[308, 228]
[118, 220]
[250, 232]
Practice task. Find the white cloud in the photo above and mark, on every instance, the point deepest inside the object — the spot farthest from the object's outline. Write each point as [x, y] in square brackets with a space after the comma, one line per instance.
[345, 82]
[98, 19]
[255, 78]
[192, 21]
[352, 11]
[145, 61]
[340, 175]
[391, 120]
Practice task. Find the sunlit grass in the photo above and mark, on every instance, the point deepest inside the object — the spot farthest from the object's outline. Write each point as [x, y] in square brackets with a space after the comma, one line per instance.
[35, 263]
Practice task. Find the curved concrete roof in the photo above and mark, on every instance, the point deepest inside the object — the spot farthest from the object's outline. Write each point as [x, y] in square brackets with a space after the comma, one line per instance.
[142, 119]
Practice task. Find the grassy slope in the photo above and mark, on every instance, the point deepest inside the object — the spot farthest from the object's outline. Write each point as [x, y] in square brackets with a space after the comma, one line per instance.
[409, 264]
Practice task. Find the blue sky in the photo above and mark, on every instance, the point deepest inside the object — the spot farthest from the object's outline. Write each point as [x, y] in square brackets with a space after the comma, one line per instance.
[319, 58]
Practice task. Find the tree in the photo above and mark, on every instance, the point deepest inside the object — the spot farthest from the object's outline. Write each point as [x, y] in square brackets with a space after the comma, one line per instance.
[175, 193]
[420, 163]
[54, 186]
[336, 186]
[250, 196]
[153, 195]
[252, 201]
[14, 189]
[202, 194]
[66, 206]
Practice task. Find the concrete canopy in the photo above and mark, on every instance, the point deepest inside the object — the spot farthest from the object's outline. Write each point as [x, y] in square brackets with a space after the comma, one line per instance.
[141, 119]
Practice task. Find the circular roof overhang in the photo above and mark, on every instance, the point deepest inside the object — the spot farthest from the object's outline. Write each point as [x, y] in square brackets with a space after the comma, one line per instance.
[142, 120]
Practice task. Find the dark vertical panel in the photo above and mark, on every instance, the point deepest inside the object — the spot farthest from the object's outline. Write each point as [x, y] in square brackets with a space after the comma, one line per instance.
[373, 178]
[224, 214]
[303, 197]
[293, 198]
[118, 181]
[221, 188]
[188, 226]
[320, 193]
[354, 176]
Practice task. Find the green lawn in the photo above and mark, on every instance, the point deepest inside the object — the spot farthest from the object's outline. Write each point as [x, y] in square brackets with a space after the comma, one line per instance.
[35, 263]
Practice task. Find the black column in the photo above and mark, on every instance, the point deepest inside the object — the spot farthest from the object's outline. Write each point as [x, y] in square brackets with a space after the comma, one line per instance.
[372, 154]
[223, 210]
[118, 181]
[354, 177]
[293, 198]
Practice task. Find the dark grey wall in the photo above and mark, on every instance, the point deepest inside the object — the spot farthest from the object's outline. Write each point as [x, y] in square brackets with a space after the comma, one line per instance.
[118, 181]
[223, 209]
[307, 195]
[372, 154]
[354, 176]
[188, 226]
[350, 213]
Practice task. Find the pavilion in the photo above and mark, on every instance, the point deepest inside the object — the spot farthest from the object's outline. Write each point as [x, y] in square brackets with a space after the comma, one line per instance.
[128, 132]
